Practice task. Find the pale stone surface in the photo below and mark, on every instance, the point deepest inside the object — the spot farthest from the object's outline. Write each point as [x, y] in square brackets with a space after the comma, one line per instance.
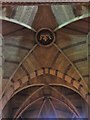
[40, 72]
[68, 79]
[32, 75]
[46, 70]
[9, 93]
[76, 84]
[24, 79]
[83, 92]
[16, 85]
[52, 72]
[60, 75]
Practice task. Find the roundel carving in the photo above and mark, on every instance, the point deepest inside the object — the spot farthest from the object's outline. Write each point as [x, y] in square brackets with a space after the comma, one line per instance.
[45, 37]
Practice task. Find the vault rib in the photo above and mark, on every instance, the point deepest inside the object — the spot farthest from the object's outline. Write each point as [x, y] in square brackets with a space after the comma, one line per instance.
[70, 82]
[56, 99]
[73, 45]
[17, 22]
[67, 102]
[18, 115]
[28, 86]
[71, 21]
[72, 65]
[23, 104]
[17, 46]
[17, 69]
[41, 108]
[15, 31]
[53, 108]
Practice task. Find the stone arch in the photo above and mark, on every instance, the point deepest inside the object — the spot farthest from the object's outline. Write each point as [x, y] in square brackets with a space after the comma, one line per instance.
[16, 86]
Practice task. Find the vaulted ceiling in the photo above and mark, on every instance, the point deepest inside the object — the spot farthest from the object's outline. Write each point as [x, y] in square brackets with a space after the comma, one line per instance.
[40, 81]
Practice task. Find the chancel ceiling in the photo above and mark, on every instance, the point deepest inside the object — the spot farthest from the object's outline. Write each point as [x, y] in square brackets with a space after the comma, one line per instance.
[45, 61]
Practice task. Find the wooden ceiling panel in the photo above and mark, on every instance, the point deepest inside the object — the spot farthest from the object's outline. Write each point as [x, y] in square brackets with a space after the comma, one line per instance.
[20, 74]
[87, 20]
[41, 19]
[8, 28]
[79, 26]
[24, 37]
[61, 63]
[71, 72]
[66, 41]
[68, 30]
[77, 52]
[16, 46]
[31, 65]
[45, 55]
[83, 67]
[70, 58]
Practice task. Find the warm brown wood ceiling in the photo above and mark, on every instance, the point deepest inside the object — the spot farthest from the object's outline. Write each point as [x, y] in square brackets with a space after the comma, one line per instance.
[58, 73]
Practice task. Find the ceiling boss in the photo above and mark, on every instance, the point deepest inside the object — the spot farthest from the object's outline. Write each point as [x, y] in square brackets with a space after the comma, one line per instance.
[45, 37]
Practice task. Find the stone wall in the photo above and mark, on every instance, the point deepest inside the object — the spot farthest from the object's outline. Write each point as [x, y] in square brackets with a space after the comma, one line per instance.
[0, 71]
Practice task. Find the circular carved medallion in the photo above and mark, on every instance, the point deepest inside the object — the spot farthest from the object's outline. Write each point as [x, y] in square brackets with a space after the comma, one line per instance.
[45, 37]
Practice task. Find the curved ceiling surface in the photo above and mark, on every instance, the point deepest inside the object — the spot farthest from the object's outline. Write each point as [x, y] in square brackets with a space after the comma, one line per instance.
[46, 79]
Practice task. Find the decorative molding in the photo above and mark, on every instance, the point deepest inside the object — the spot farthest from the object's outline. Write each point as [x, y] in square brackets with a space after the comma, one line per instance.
[17, 85]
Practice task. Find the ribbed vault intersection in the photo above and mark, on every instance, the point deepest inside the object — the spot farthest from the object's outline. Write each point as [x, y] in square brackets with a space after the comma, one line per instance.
[45, 81]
